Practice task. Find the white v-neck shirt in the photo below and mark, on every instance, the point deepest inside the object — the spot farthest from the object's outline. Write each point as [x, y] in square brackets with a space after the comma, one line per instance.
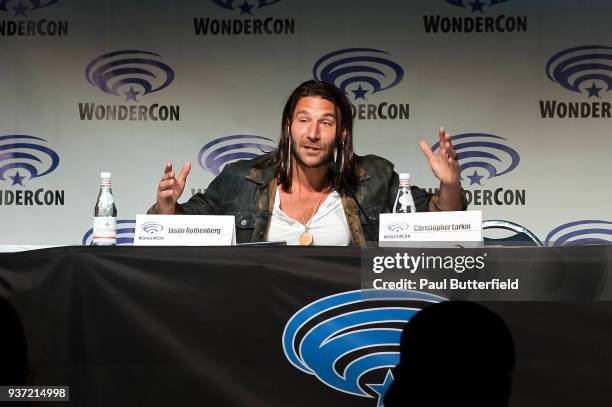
[328, 225]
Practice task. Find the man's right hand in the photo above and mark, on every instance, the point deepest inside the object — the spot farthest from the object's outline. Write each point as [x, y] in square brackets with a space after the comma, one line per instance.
[170, 189]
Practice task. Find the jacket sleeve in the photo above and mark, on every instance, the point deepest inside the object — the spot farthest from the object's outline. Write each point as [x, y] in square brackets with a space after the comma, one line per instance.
[207, 203]
[434, 202]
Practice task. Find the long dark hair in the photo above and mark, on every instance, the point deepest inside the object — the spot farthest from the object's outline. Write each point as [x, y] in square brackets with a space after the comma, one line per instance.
[344, 136]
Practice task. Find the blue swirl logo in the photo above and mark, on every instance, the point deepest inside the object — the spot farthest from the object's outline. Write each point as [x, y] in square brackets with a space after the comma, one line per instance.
[225, 150]
[21, 9]
[152, 227]
[358, 71]
[129, 73]
[245, 7]
[583, 69]
[581, 232]
[476, 5]
[125, 233]
[484, 155]
[24, 157]
[350, 341]
[398, 227]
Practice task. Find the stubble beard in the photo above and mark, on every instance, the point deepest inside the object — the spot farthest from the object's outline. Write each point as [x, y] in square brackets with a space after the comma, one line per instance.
[328, 157]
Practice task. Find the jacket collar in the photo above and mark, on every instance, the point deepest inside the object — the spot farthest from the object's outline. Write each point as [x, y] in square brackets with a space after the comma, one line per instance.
[263, 176]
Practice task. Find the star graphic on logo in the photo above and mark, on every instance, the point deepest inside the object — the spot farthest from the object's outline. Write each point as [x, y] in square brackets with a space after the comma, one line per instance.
[475, 178]
[17, 179]
[245, 8]
[594, 90]
[359, 92]
[20, 10]
[382, 388]
[477, 6]
[131, 94]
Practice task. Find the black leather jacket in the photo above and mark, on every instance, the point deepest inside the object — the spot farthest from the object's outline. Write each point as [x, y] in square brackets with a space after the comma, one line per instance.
[248, 194]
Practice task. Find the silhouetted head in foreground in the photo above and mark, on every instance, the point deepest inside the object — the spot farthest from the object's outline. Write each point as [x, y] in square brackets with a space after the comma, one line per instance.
[13, 347]
[453, 354]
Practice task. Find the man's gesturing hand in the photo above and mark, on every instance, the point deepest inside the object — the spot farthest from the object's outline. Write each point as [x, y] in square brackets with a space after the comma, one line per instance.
[170, 189]
[444, 165]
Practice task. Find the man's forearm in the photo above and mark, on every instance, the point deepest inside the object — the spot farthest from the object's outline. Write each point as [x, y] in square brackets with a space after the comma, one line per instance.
[451, 197]
[178, 210]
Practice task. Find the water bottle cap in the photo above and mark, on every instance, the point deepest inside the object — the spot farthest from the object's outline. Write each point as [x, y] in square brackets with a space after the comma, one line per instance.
[105, 175]
[404, 176]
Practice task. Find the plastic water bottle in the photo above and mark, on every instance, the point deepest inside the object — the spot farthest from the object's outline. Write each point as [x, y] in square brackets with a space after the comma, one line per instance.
[105, 214]
[403, 201]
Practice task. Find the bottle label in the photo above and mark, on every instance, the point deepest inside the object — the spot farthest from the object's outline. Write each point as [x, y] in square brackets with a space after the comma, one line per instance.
[405, 200]
[104, 230]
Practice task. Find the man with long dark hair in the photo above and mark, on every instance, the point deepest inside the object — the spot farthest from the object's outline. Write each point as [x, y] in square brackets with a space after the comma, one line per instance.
[306, 191]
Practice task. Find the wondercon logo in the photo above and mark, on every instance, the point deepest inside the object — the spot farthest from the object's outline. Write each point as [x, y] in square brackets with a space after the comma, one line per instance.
[581, 232]
[398, 227]
[152, 227]
[247, 24]
[129, 73]
[125, 233]
[483, 155]
[350, 341]
[245, 7]
[476, 5]
[216, 154]
[358, 71]
[24, 157]
[20, 9]
[586, 69]
[477, 22]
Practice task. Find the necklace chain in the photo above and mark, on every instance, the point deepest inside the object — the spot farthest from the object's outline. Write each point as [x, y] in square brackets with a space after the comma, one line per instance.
[306, 225]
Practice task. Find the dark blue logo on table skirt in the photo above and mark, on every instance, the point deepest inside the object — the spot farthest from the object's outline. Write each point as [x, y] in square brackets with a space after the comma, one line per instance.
[350, 341]
[580, 232]
[221, 151]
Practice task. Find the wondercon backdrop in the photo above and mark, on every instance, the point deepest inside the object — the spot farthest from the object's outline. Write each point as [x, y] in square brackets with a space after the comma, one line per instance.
[126, 86]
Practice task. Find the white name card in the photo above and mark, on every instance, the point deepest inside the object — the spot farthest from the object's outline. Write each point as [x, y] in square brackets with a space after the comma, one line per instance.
[459, 226]
[184, 230]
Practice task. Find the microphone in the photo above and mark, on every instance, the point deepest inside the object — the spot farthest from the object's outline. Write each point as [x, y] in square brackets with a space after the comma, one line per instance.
[334, 168]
